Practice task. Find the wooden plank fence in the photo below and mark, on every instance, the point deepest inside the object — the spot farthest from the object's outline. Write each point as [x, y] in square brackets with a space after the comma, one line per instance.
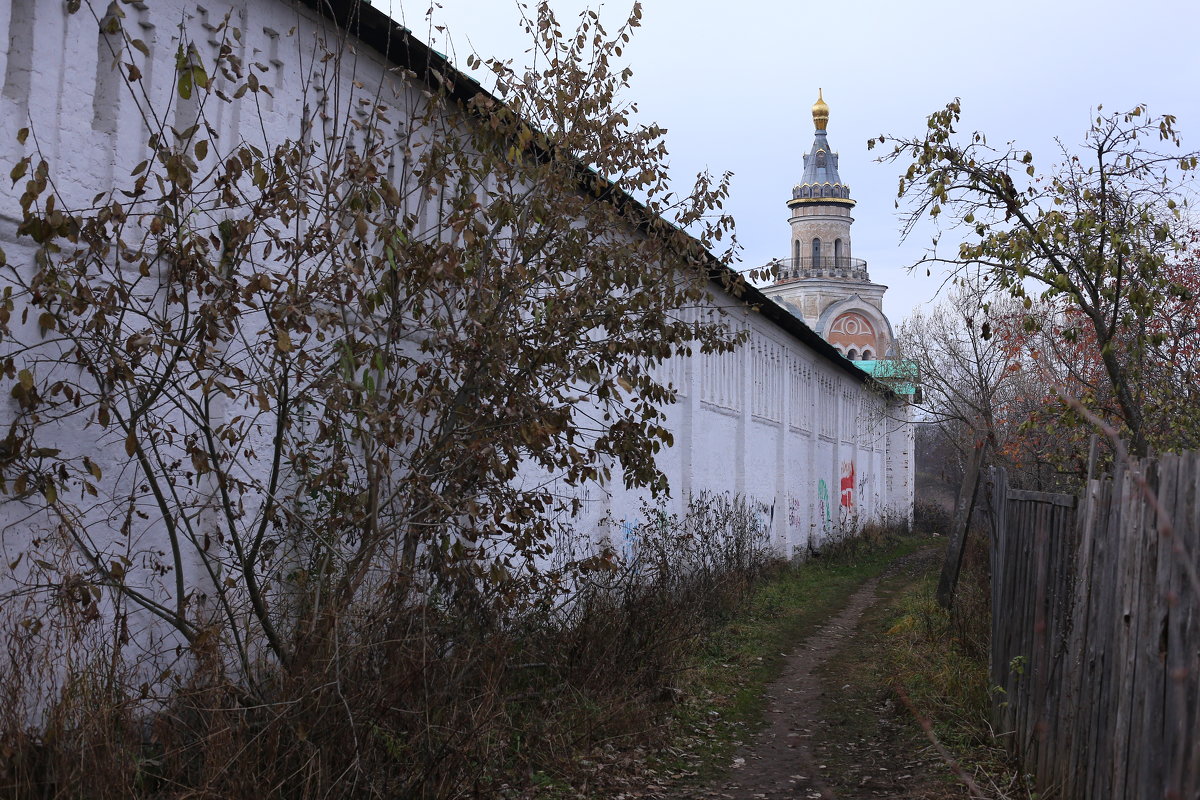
[1096, 631]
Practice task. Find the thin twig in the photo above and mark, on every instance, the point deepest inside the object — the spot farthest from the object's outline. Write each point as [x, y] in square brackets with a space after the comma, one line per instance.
[951, 762]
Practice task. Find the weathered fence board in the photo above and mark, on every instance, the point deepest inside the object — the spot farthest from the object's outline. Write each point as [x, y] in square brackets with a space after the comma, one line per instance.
[1096, 631]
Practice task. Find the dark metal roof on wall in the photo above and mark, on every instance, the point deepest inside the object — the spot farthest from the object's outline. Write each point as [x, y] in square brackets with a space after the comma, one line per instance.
[397, 44]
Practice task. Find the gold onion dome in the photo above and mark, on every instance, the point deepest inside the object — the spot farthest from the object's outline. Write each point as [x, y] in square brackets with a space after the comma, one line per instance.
[820, 112]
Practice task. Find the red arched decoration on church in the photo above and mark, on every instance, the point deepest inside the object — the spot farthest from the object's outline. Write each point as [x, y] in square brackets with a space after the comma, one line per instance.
[853, 330]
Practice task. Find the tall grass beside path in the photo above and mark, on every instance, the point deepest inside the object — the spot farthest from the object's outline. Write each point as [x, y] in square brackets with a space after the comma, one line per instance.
[723, 693]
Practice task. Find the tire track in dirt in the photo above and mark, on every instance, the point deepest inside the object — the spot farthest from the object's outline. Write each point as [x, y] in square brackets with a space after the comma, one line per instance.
[780, 763]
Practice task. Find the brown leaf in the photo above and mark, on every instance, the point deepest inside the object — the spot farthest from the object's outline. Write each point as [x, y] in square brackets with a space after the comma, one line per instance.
[19, 170]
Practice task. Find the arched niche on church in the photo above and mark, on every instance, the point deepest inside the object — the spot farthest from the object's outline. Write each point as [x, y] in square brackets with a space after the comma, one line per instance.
[853, 332]
[855, 323]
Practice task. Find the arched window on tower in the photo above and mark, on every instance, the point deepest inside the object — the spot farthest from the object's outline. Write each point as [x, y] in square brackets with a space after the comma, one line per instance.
[798, 254]
[816, 253]
[837, 252]
[852, 355]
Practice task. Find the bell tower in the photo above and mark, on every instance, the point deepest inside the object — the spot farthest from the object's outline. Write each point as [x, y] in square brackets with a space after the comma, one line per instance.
[820, 281]
[820, 207]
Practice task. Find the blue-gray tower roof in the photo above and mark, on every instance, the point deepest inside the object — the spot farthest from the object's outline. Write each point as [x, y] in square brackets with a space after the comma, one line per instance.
[821, 181]
[821, 163]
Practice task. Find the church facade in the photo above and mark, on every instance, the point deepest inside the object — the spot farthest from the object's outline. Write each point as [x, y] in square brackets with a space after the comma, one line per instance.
[820, 281]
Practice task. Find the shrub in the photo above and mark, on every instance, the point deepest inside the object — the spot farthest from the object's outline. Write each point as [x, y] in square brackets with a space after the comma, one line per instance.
[404, 699]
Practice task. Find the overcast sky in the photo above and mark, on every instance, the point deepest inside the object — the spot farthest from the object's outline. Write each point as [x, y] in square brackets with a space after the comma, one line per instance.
[733, 81]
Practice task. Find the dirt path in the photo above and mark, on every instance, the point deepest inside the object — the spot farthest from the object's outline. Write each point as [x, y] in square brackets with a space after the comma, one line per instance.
[815, 745]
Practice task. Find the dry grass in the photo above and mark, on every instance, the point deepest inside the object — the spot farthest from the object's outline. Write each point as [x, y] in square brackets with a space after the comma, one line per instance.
[396, 701]
[939, 663]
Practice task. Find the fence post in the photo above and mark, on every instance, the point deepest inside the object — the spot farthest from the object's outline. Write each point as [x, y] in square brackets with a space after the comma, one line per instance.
[963, 507]
[999, 565]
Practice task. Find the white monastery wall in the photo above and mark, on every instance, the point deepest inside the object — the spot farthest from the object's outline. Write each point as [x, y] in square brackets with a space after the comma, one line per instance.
[793, 430]
[813, 449]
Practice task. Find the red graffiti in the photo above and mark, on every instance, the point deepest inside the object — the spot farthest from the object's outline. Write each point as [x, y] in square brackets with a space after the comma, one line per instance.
[848, 484]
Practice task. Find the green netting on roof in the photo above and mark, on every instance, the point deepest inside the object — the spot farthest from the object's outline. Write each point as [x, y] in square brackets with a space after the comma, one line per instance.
[901, 375]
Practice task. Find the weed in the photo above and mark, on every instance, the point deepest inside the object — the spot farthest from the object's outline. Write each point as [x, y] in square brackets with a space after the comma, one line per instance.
[938, 663]
[402, 699]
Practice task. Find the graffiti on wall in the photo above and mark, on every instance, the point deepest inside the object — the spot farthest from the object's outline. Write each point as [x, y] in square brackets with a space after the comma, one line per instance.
[764, 514]
[570, 503]
[795, 512]
[862, 485]
[847, 500]
[824, 511]
[629, 538]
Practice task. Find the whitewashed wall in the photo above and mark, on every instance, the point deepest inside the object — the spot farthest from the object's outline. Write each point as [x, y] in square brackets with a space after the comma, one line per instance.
[814, 445]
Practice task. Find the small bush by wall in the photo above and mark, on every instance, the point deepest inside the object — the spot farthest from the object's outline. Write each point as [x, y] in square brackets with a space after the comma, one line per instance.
[415, 700]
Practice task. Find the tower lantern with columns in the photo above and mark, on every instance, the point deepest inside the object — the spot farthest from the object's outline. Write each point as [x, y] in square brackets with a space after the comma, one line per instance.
[820, 281]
